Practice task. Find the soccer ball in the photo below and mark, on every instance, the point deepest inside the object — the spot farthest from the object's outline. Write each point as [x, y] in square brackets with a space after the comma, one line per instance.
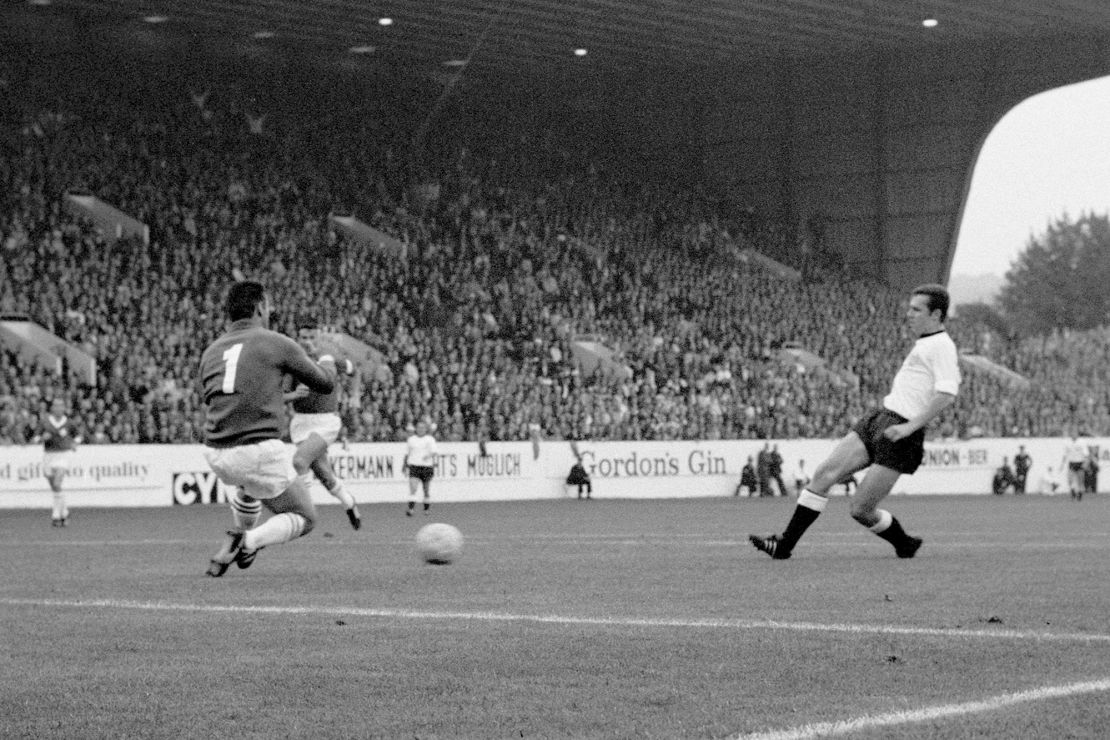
[439, 543]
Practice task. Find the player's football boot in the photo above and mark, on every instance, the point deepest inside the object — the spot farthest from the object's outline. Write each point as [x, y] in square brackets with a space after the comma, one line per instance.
[909, 548]
[354, 518]
[226, 555]
[772, 545]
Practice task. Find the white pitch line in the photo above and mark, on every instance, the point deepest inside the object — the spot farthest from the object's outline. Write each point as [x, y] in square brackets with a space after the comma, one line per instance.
[1094, 543]
[925, 714]
[96, 543]
[740, 624]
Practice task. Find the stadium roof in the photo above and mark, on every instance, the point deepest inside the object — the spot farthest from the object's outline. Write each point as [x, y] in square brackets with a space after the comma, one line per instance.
[540, 37]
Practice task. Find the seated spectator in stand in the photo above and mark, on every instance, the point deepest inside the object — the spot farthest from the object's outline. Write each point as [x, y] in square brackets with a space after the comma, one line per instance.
[1048, 483]
[512, 249]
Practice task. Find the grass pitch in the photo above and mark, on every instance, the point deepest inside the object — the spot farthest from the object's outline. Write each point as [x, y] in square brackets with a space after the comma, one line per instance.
[568, 619]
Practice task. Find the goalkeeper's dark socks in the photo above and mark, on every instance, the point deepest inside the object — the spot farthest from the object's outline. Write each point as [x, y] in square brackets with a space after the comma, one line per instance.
[810, 505]
[427, 506]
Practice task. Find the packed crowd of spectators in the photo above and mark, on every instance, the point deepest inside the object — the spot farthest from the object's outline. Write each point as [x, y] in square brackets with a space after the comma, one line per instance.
[516, 246]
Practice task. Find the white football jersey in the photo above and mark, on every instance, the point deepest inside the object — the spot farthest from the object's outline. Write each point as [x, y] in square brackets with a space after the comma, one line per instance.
[931, 367]
[422, 451]
[1075, 452]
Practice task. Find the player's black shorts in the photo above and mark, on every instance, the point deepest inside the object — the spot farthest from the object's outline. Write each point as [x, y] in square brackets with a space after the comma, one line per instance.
[422, 473]
[905, 455]
[1075, 466]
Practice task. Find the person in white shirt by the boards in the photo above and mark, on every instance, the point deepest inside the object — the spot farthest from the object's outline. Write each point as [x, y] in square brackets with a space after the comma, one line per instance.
[1075, 456]
[420, 461]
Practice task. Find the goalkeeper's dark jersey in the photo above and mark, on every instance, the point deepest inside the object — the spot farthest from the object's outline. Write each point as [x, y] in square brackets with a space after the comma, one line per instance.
[242, 374]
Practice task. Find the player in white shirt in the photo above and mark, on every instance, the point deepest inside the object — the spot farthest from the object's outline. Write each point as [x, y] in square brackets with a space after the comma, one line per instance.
[890, 440]
[420, 461]
[1075, 455]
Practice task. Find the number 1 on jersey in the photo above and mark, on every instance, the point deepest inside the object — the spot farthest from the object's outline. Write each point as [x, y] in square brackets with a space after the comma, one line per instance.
[231, 365]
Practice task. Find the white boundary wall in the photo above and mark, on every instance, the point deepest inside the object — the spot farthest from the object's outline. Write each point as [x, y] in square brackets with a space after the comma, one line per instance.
[165, 475]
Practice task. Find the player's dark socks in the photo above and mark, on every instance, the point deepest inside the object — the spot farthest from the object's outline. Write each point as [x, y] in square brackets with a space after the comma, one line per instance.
[799, 522]
[894, 534]
[427, 506]
[890, 529]
[810, 505]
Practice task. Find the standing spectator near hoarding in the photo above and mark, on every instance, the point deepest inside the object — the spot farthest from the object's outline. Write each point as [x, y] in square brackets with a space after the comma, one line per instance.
[1075, 457]
[1090, 472]
[420, 461]
[763, 470]
[241, 374]
[59, 444]
[774, 470]
[1022, 463]
[890, 441]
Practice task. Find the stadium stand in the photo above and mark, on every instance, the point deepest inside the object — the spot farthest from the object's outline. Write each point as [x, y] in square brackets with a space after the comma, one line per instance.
[515, 244]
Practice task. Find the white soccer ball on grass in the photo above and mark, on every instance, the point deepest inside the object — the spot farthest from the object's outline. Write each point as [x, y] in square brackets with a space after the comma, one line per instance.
[439, 543]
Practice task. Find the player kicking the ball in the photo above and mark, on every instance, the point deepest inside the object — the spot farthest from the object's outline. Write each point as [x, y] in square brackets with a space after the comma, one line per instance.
[242, 374]
[891, 440]
[316, 424]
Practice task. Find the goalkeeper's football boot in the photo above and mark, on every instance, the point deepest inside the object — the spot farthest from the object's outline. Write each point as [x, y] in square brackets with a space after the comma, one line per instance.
[772, 545]
[226, 555]
[245, 558]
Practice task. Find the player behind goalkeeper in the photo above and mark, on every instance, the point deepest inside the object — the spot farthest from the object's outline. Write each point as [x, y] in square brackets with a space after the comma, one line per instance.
[316, 423]
[891, 439]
